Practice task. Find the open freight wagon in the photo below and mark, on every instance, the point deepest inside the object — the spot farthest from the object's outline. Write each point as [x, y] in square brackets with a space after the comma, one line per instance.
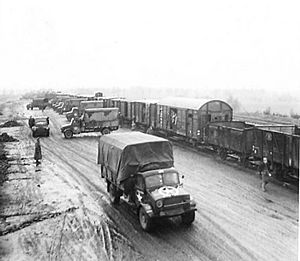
[249, 144]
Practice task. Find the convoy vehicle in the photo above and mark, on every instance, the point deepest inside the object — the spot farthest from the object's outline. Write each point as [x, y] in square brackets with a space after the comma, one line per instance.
[102, 120]
[40, 103]
[40, 127]
[70, 103]
[57, 105]
[140, 167]
[83, 105]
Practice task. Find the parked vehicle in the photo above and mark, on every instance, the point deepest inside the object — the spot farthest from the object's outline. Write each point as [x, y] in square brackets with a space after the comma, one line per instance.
[40, 127]
[102, 120]
[141, 168]
[70, 103]
[83, 105]
[40, 103]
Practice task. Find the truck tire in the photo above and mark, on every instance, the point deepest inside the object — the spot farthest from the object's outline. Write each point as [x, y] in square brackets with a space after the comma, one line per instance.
[33, 134]
[188, 218]
[145, 221]
[105, 131]
[68, 134]
[113, 194]
[48, 133]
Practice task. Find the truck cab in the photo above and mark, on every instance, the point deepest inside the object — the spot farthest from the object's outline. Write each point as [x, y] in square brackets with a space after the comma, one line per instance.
[160, 194]
[74, 113]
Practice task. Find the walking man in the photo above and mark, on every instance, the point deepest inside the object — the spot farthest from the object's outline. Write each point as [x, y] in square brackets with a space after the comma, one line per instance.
[37, 152]
[264, 171]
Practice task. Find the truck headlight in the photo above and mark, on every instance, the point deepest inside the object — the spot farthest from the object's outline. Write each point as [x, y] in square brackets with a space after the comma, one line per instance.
[34, 128]
[159, 203]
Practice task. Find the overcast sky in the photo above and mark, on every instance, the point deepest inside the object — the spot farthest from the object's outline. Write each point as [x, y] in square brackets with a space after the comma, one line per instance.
[205, 44]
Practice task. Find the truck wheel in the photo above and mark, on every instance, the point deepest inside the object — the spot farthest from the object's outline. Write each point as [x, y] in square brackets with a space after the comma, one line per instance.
[68, 134]
[33, 134]
[48, 133]
[105, 131]
[188, 218]
[113, 194]
[145, 221]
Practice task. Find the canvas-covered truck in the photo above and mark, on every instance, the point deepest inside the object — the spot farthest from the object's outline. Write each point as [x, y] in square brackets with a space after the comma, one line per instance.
[40, 103]
[140, 168]
[77, 110]
[102, 120]
[69, 104]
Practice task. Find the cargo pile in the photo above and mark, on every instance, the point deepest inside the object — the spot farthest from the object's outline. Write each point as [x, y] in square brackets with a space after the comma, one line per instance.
[4, 137]
[3, 164]
[10, 124]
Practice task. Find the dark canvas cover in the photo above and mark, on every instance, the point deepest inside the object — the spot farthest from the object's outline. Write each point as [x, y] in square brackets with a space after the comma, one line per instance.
[126, 153]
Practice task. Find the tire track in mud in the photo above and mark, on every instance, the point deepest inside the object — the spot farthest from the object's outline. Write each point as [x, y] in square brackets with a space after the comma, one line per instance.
[37, 217]
[70, 168]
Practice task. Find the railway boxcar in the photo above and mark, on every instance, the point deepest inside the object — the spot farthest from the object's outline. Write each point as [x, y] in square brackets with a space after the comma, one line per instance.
[145, 112]
[188, 117]
[124, 106]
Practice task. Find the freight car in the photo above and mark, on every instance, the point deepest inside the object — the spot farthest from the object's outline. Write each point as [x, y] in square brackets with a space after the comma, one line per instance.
[144, 113]
[249, 143]
[188, 117]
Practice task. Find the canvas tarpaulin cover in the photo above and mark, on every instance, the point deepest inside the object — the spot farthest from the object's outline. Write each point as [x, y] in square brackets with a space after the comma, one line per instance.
[126, 153]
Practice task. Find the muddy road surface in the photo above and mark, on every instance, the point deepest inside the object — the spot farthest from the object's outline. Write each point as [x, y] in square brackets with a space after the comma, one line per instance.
[60, 210]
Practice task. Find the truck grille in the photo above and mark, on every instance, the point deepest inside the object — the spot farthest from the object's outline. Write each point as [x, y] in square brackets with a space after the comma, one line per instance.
[172, 201]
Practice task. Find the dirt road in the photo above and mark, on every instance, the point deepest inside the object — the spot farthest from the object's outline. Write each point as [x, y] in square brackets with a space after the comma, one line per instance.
[61, 210]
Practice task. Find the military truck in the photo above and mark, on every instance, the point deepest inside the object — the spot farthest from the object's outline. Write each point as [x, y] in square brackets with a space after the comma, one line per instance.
[40, 103]
[140, 168]
[69, 104]
[40, 126]
[77, 111]
[102, 120]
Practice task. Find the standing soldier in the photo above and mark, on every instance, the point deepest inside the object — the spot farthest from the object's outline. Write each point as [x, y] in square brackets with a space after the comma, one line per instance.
[264, 171]
[133, 125]
[31, 122]
[37, 152]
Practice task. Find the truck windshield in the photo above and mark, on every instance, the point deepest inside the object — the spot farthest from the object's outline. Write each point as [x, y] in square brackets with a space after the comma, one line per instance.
[40, 121]
[159, 180]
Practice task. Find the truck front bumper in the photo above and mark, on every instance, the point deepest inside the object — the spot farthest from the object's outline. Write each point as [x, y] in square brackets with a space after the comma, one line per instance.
[175, 212]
